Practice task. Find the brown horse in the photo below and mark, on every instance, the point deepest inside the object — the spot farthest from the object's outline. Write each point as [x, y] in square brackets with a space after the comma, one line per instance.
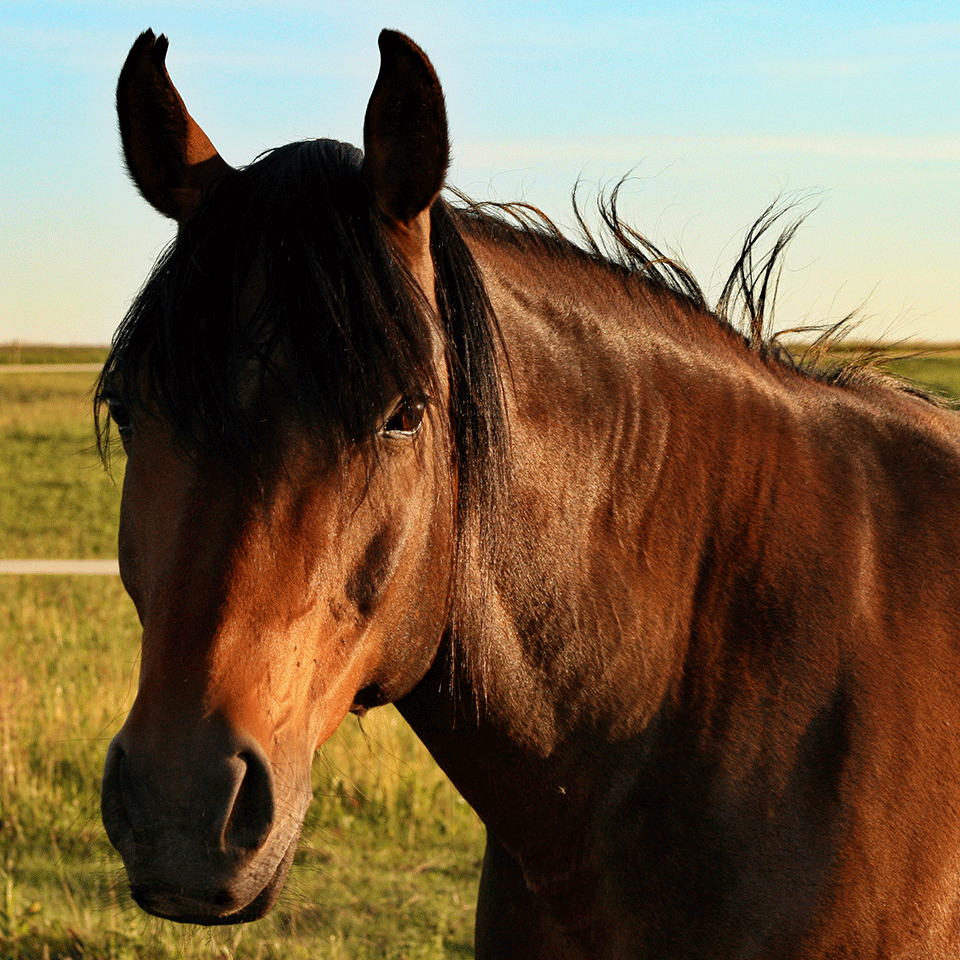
[680, 620]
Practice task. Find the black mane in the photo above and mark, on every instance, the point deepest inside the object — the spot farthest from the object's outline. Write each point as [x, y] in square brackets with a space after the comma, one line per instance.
[744, 310]
[744, 307]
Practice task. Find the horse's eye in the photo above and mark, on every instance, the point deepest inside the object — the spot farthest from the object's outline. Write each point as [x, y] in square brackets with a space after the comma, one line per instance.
[406, 420]
[119, 415]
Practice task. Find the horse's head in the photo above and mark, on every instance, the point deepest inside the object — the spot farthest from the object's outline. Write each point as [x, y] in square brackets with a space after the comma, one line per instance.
[283, 389]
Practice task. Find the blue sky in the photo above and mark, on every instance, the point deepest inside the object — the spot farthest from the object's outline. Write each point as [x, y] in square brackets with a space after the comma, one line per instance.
[714, 108]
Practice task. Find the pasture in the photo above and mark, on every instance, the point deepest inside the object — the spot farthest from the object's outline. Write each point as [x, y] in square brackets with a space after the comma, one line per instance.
[390, 857]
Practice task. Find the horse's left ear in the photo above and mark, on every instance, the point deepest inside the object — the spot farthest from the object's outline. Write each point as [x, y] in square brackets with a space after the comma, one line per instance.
[406, 149]
[171, 160]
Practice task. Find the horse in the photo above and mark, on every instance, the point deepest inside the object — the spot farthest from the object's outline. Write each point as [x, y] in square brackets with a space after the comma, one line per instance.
[679, 617]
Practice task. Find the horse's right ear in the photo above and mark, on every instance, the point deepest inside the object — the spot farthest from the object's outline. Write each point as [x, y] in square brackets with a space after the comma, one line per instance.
[171, 160]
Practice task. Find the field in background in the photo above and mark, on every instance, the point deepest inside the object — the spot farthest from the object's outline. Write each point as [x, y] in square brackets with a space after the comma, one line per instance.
[390, 859]
[935, 367]
[57, 500]
[23, 353]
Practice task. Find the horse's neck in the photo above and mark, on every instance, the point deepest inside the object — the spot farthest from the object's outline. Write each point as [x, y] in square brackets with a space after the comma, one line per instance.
[671, 609]
[629, 445]
[642, 430]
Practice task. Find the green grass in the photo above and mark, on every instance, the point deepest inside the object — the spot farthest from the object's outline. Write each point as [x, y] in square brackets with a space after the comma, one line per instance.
[17, 353]
[57, 500]
[940, 375]
[934, 368]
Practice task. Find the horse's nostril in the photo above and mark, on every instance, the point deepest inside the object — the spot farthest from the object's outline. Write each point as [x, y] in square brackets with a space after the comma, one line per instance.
[252, 816]
[229, 803]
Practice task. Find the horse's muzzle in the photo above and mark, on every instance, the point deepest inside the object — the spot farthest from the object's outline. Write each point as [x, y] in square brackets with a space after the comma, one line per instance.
[200, 833]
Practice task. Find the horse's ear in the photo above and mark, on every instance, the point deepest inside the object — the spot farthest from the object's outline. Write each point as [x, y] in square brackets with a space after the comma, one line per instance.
[406, 150]
[171, 160]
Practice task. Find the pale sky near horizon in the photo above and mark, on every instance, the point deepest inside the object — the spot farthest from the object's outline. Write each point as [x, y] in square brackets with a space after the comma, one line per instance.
[714, 108]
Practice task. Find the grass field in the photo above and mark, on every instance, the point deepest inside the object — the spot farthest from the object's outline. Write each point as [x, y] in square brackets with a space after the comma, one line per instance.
[941, 375]
[27, 353]
[390, 858]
